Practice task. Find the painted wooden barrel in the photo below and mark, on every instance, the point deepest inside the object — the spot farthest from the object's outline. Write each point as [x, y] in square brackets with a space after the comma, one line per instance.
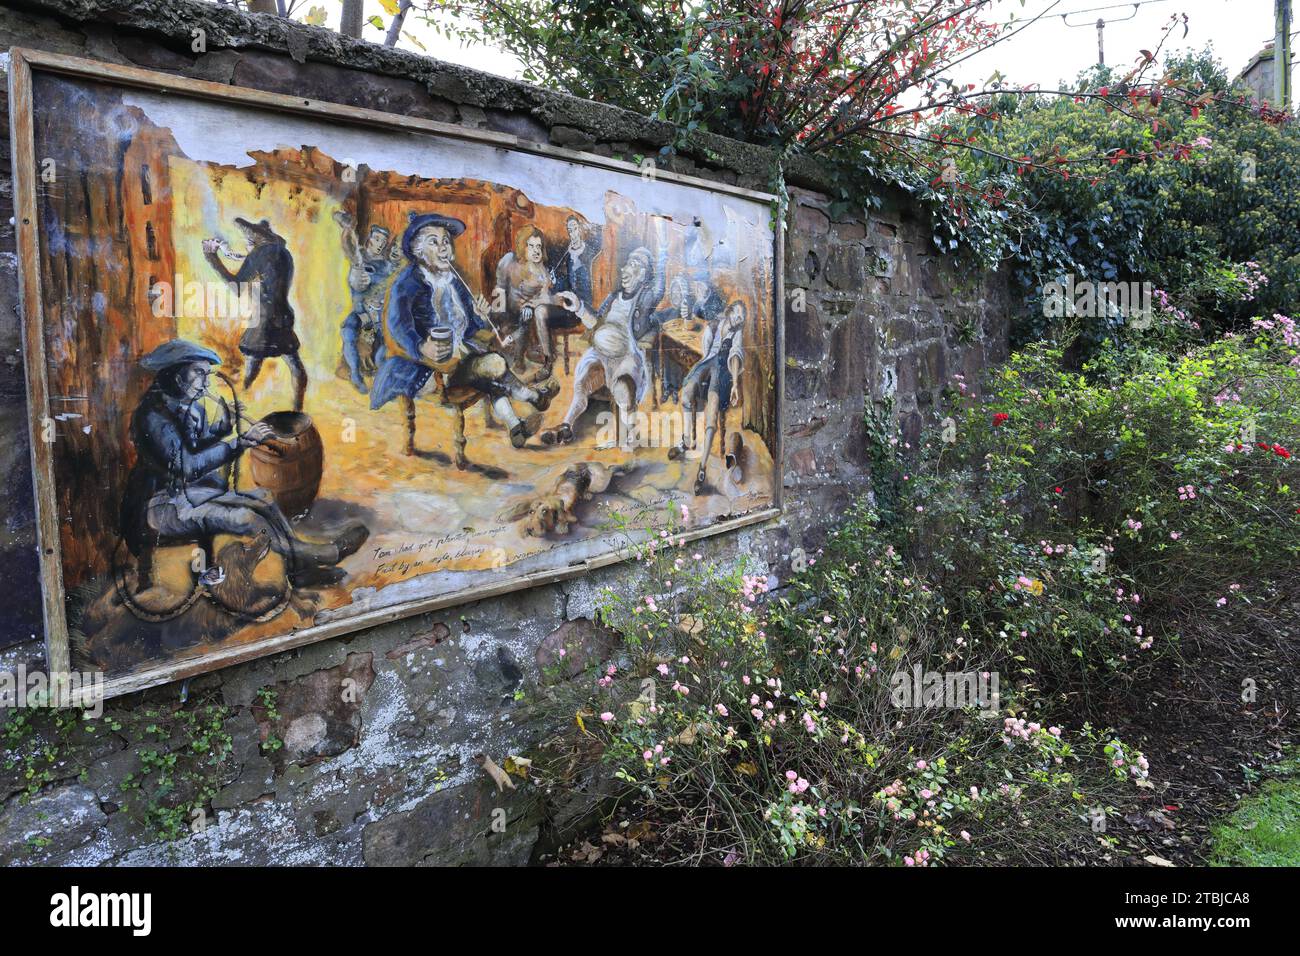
[289, 465]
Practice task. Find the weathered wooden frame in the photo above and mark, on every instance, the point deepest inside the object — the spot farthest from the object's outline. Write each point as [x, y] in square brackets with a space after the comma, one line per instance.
[22, 136]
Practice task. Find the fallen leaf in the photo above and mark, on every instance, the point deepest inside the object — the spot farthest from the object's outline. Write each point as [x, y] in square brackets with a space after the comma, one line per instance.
[640, 831]
[519, 766]
[690, 624]
[498, 775]
[637, 708]
[687, 737]
[587, 853]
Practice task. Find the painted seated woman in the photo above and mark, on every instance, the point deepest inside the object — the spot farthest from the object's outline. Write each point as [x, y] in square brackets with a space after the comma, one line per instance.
[572, 273]
[523, 292]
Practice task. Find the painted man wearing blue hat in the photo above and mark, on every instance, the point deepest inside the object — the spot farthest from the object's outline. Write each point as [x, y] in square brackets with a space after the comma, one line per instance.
[178, 488]
[434, 324]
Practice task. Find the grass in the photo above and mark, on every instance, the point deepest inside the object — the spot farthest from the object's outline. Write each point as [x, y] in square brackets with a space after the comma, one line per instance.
[1265, 829]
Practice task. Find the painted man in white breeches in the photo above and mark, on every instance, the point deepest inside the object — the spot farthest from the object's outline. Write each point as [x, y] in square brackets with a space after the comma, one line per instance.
[614, 359]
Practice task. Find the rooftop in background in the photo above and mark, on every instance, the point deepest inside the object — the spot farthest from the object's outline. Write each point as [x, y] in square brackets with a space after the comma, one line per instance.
[1259, 73]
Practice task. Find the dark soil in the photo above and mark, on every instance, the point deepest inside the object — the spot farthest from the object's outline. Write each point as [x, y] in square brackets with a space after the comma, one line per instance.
[1204, 742]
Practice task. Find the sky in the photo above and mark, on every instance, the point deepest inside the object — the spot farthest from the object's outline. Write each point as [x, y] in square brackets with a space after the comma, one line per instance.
[1058, 47]
[1053, 48]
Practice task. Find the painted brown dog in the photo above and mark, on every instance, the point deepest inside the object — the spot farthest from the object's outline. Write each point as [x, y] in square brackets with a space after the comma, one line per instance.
[554, 512]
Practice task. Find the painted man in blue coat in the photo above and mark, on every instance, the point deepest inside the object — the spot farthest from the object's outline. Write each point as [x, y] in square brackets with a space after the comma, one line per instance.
[436, 336]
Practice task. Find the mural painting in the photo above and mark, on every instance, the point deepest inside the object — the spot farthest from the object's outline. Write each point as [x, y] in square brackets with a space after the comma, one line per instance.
[301, 371]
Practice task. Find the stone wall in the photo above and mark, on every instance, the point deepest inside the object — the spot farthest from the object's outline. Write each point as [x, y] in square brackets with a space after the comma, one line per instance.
[390, 776]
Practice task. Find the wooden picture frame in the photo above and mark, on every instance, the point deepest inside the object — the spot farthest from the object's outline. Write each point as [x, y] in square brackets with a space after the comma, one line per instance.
[26, 69]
